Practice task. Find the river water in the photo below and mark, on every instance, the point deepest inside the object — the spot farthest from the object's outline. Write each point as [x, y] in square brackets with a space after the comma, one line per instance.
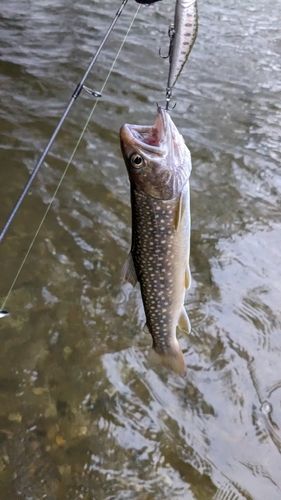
[82, 414]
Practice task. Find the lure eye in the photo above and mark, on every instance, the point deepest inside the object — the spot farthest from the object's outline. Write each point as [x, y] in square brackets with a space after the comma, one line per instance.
[136, 160]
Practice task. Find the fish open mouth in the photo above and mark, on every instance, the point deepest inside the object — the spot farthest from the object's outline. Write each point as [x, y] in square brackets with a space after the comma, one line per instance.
[149, 138]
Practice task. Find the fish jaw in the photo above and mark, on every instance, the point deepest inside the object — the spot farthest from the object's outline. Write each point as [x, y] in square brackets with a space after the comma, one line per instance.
[165, 165]
[146, 140]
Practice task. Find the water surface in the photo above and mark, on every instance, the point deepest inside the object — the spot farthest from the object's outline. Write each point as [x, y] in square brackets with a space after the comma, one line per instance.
[82, 415]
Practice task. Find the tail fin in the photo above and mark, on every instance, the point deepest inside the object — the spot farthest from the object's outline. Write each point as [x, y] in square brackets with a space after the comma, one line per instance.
[172, 358]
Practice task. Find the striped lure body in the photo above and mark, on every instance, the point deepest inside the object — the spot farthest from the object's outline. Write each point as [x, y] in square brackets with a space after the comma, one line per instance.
[159, 166]
[183, 37]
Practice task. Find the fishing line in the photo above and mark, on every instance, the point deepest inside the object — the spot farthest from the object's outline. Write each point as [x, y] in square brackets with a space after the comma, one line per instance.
[75, 94]
[4, 313]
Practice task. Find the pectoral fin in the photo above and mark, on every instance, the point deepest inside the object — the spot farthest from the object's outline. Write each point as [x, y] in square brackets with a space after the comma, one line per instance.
[184, 323]
[128, 272]
[183, 205]
[187, 278]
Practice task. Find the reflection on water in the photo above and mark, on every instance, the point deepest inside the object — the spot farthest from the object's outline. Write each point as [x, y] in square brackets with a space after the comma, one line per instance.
[81, 414]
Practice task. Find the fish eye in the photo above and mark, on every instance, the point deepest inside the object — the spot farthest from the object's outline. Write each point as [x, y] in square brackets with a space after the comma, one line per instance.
[136, 160]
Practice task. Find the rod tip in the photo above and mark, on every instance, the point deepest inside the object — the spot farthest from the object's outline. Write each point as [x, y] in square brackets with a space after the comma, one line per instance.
[3, 313]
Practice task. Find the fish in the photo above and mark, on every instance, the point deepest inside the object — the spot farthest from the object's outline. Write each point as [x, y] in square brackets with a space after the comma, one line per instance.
[159, 165]
[183, 34]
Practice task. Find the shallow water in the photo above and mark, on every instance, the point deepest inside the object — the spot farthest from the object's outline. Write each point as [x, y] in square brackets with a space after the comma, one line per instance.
[82, 415]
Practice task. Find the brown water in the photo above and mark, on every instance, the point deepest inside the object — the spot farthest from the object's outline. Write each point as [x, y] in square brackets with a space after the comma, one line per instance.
[82, 415]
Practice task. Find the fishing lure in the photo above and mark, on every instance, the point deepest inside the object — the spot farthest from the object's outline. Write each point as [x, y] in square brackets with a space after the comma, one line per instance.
[182, 36]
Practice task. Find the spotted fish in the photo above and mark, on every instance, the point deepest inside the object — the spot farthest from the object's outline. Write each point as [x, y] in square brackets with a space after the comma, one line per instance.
[159, 166]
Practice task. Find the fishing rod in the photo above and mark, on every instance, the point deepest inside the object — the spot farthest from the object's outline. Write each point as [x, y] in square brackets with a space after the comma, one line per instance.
[3, 312]
[75, 94]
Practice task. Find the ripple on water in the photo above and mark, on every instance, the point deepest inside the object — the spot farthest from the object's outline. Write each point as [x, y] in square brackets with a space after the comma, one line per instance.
[82, 413]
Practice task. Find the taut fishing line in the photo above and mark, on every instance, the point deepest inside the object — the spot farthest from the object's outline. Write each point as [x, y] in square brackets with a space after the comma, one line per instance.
[75, 94]
[5, 313]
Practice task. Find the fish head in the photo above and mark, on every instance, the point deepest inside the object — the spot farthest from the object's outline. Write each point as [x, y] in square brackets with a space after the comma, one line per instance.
[157, 158]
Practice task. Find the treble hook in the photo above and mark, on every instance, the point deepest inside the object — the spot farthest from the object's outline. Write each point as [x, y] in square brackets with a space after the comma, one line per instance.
[171, 33]
[168, 98]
